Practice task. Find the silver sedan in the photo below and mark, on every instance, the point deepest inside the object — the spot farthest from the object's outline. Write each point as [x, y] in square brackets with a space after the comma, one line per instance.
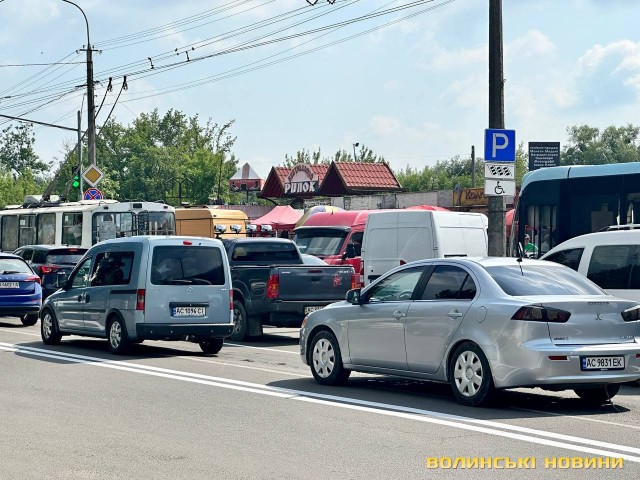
[482, 325]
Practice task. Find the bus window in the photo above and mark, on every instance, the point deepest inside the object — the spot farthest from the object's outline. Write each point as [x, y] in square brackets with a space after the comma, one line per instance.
[72, 228]
[46, 231]
[9, 233]
[27, 230]
[107, 225]
[162, 223]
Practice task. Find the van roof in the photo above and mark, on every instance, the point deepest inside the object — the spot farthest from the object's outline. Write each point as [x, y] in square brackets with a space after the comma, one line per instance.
[198, 213]
[613, 237]
[347, 218]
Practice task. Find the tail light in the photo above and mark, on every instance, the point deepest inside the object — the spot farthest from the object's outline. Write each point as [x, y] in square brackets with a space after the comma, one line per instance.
[230, 306]
[361, 282]
[536, 313]
[140, 297]
[355, 279]
[45, 269]
[273, 286]
[33, 278]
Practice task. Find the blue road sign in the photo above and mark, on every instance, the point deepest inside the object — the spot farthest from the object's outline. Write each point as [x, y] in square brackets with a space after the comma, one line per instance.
[499, 145]
[93, 194]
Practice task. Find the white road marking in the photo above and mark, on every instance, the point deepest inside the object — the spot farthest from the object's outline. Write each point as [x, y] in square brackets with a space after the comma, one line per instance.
[586, 419]
[262, 348]
[460, 422]
[21, 333]
[238, 366]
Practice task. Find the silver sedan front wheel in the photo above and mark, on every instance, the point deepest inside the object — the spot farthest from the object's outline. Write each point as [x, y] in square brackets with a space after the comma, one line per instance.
[470, 375]
[326, 361]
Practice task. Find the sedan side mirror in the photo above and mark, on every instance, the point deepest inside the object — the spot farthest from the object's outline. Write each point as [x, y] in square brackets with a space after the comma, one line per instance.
[353, 297]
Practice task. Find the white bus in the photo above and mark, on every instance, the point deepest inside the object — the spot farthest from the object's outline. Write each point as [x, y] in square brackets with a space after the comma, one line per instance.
[81, 223]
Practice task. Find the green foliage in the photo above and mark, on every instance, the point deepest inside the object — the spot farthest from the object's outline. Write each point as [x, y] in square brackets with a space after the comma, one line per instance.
[590, 146]
[17, 155]
[305, 156]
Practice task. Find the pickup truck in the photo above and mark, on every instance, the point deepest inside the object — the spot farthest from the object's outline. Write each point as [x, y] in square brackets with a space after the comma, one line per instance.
[273, 286]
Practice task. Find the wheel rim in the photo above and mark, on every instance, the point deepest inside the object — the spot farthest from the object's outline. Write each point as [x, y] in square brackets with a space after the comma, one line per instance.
[115, 334]
[468, 373]
[237, 320]
[47, 325]
[324, 358]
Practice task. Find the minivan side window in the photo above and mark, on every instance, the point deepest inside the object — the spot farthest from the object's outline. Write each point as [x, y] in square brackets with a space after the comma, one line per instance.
[569, 258]
[112, 268]
[449, 283]
[81, 277]
[610, 266]
[194, 265]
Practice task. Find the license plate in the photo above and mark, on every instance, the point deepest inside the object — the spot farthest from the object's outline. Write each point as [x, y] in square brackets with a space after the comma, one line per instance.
[602, 363]
[9, 284]
[188, 311]
[311, 309]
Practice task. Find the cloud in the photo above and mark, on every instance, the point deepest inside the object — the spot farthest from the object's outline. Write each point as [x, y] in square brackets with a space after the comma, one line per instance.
[532, 43]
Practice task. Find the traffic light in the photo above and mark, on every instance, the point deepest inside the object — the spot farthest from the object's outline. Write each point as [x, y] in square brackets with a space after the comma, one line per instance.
[75, 183]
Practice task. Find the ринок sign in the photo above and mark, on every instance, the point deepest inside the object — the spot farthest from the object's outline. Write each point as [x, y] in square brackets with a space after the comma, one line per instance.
[301, 180]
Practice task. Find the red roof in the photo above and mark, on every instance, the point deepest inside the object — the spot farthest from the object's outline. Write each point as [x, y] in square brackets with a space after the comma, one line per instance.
[348, 177]
[281, 218]
[274, 185]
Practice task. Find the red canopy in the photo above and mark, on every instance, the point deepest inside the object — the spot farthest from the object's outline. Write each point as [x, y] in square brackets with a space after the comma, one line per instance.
[508, 220]
[427, 207]
[280, 218]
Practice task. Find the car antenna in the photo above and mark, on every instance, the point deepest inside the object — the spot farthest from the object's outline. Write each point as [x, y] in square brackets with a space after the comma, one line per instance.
[519, 260]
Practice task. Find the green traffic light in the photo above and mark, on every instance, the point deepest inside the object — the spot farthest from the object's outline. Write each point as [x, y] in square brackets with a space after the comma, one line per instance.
[76, 181]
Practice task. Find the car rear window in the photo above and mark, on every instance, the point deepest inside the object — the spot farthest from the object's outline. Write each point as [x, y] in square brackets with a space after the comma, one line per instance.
[274, 252]
[13, 265]
[64, 256]
[182, 265]
[542, 280]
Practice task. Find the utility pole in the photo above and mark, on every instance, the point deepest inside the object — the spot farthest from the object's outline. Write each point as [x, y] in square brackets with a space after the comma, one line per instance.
[473, 166]
[80, 190]
[497, 205]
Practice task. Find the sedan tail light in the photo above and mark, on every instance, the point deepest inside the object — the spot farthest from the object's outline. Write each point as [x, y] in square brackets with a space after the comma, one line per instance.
[33, 278]
[537, 313]
[45, 269]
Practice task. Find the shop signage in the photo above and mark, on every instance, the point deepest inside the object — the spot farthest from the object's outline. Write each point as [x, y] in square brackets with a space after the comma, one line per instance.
[301, 181]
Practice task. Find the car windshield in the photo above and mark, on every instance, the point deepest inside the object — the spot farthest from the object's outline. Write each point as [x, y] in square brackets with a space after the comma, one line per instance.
[320, 241]
[64, 256]
[13, 265]
[541, 280]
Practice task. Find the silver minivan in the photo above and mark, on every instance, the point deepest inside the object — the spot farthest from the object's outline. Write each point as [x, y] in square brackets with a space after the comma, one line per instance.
[128, 290]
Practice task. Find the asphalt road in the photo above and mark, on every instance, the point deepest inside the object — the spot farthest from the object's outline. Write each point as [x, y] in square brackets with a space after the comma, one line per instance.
[253, 411]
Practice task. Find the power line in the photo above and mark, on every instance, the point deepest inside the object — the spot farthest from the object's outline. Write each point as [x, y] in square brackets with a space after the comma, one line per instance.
[37, 64]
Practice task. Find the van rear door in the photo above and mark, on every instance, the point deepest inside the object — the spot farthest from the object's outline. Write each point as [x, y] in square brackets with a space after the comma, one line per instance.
[188, 282]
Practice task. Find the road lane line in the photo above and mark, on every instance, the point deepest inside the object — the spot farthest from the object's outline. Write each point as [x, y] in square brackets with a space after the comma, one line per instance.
[262, 348]
[238, 366]
[21, 333]
[586, 419]
[465, 423]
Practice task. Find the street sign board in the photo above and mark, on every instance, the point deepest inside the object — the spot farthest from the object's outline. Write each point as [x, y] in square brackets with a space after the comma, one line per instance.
[543, 154]
[494, 187]
[499, 145]
[500, 170]
[92, 175]
[93, 194]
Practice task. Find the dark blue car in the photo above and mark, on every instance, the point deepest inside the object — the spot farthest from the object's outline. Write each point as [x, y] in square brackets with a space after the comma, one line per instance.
[20, 291]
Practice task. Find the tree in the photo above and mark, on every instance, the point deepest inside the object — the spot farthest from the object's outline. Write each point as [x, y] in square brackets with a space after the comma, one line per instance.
[17, 155]
[590, 146]
[305, 156]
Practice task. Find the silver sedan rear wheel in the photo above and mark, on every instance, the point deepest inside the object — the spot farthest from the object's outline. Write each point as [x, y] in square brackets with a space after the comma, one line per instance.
[470, 375]
[326, 361]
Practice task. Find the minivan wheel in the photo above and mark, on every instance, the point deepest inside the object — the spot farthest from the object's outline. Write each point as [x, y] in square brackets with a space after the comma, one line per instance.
[211, 346]
[326, 361]
[470, 376]
[239, 322]
[49, 328]
[117, 336]
[598, 395]
[29, 319]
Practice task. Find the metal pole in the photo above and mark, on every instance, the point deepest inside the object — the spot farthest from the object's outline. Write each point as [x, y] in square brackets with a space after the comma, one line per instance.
[80, 153]
[354, 151]
[496, 204]
[473, 166]
[91, 107]
[220, 179]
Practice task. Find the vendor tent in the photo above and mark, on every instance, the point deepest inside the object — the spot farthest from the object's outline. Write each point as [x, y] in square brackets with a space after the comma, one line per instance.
[280, 218]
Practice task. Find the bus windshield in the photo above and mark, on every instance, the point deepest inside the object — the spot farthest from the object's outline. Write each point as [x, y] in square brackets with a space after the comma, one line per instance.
[320, 242]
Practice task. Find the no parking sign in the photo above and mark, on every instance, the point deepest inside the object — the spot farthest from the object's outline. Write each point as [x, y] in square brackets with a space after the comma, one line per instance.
[93, 194]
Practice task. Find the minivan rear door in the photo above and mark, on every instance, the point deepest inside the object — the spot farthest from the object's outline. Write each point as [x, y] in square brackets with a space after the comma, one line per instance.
[187, 284]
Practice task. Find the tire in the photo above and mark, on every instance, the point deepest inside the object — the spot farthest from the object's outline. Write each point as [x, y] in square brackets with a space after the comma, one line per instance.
[29, 319]
[211, 346]
[117, 336]
[598, 395]
[325, 360]
[470, 376]
[49, 330]
[240, 322]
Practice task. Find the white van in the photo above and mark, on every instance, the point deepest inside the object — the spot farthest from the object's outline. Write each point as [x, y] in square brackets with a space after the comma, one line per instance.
[609, 259]
[394, 238]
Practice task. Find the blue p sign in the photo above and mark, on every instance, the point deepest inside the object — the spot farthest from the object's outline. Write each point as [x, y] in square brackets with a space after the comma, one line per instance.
[499, 145]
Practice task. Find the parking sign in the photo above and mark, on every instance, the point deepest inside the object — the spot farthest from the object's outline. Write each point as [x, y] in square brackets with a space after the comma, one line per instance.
[499, 145]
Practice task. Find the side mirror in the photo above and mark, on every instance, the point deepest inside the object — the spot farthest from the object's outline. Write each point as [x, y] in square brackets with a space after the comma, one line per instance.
[62, 281]
[353, 297]
[350, 251]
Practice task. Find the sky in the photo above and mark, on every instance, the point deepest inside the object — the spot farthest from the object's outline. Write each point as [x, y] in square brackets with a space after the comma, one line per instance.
[415, 91]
